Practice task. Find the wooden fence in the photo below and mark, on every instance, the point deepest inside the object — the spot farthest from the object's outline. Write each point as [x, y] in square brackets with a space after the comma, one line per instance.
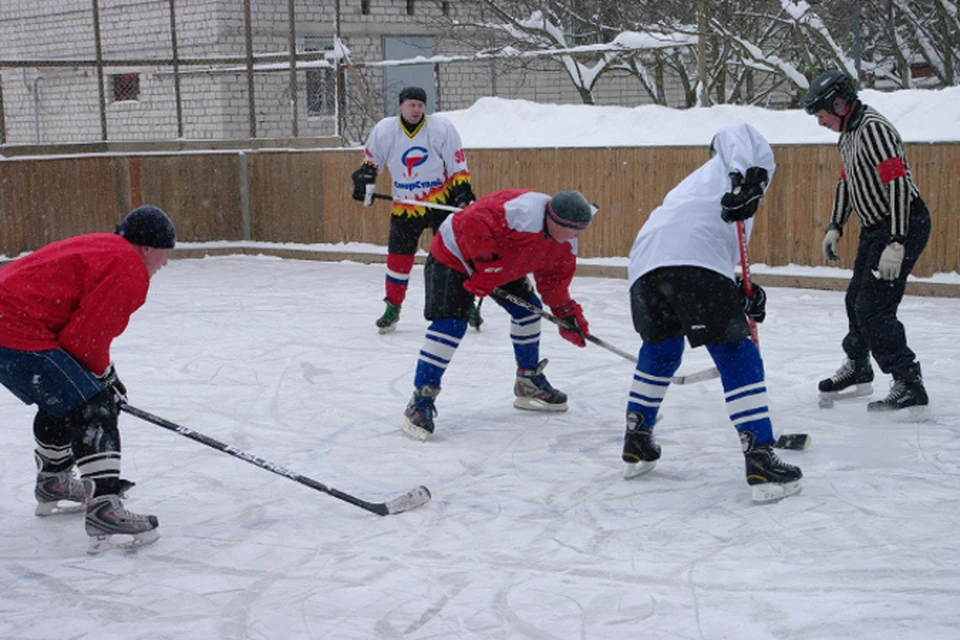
[300, 196]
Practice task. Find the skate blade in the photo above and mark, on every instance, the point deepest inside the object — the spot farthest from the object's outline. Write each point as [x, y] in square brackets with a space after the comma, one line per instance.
[827, 398]
[387, 329]
[775, 491]
[99, 544]
[45, 509]
[916, 413]
[535, 404]
[417, 433]
[634, 469]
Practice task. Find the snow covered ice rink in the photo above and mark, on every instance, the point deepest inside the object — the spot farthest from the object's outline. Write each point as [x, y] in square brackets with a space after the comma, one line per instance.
[531, 532]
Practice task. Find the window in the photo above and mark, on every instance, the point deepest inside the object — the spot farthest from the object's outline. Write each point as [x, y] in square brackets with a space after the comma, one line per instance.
[126, 87]
[410, 7]
[321, 85]
[365, 7]
[445, 8]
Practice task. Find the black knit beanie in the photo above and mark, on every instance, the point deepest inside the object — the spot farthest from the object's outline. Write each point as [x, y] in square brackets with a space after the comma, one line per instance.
[148, 226]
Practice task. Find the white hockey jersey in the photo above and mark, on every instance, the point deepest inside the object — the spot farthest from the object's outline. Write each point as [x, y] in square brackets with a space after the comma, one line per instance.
[687, 230]
[424, 164]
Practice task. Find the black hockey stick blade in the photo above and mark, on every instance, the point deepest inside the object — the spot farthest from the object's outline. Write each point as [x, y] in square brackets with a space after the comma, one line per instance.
[793, 441]
[410, 500]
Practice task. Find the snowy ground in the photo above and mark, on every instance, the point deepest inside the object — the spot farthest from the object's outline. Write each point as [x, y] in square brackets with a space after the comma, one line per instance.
[531, 532]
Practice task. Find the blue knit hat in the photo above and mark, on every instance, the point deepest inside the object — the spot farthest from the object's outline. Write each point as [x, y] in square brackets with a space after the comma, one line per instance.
[148, 226]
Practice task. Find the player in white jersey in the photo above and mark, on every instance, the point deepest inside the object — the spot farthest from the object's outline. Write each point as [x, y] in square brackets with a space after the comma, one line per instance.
[425, 157]
[683, 285]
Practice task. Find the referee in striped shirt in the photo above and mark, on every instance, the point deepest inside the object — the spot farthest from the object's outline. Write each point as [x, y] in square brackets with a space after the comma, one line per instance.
[876, 184]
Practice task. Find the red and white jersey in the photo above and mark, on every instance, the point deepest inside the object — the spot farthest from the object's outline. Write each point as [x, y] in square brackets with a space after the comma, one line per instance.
[509, 226]
[424, 163]
[76, 294]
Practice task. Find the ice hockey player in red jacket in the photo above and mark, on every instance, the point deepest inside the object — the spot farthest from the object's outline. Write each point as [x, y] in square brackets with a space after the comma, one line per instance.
[495, 243]
[60, 308]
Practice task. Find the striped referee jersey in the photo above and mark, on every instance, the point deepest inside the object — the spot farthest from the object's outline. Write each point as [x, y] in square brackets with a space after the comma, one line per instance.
[875, 181]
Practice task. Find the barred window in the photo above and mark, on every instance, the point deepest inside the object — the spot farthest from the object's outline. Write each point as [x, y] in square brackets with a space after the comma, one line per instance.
[321, 85]
[126, 87]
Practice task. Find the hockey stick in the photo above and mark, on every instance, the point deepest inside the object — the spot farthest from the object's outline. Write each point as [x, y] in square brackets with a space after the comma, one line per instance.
[417, 203]
[708, 374]
[410, 500]
[747, 285]
[796, 441]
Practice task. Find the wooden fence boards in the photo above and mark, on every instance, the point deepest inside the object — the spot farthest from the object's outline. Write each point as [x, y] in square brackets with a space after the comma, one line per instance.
[305, 196]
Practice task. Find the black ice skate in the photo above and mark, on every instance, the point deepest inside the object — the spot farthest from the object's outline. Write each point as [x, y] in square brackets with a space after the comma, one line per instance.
[640, 449]
[107, 517]
[769, 477]
[534, 393]
[420, 411]
[853, 379]
[391, 316]
[910, 398]
[51, 488]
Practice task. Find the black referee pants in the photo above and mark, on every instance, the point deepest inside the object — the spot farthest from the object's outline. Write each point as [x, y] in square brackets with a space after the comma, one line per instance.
[872, 303]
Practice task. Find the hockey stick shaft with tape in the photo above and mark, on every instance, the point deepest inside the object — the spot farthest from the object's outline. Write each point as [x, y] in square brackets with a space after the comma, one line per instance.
[417, 203]
[410, 500]
[708, 374]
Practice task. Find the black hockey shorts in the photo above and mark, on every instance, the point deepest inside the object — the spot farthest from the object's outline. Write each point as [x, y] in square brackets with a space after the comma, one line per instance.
[405, 231]
[703, 305]
[446, 298]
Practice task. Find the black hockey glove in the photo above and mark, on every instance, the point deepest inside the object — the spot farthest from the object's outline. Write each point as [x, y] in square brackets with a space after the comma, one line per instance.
[745, 194]
[461, 196]
[755, 306]
[112, 382]
[366, 174]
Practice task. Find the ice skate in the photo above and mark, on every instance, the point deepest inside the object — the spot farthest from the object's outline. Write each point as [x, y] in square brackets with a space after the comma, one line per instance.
[534, 393]
[107, 517]
[420, 411]
[52, 488]
[769, 477]
[391, 316]
[908, 400]
[853, 379]
[640, 450]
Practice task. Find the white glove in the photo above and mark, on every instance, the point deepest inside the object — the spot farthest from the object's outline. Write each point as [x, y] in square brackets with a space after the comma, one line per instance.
[890, 260]
[831, 245]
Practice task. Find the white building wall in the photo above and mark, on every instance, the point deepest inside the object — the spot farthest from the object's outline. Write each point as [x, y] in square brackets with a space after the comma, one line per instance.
[59, 105]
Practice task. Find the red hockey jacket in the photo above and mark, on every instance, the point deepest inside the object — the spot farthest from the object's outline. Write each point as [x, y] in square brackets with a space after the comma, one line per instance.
[509, 225]
[76, 294]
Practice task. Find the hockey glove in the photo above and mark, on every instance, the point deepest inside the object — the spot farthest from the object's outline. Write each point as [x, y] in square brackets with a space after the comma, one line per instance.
[366, 174]
[461, 196]
[112, 382]
[831, 243]
[486, 277]
[577, 329]
[890, 261]
[745, 194]
[756, 305]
